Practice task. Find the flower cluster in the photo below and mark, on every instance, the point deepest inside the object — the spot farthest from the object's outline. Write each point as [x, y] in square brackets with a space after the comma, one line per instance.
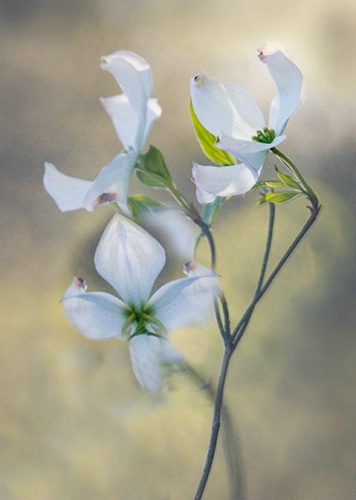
[232, 131]
[127, 256]
[233, 134]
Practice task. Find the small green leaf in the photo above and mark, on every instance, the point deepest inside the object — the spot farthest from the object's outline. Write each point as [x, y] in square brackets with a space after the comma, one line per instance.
[271, 184]
[288, 180]
[149, 179]
[282, 197]
[207, 142]
[140, 204]
[153, 164]
[304, 186]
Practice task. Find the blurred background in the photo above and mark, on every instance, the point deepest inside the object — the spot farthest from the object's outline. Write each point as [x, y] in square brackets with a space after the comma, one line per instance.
[73, 422]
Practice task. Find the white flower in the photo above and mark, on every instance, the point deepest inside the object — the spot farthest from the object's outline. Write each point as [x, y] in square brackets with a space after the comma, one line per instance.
[130, 260]
[228, 112]
[132, 113]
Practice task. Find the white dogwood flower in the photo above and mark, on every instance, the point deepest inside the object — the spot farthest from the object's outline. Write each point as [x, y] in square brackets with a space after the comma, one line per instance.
[228, 112]
[130, 260]
[132, 113]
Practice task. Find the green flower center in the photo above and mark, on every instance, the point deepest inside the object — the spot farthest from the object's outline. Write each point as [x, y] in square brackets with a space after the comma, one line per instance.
[141, 322]
[266, 136]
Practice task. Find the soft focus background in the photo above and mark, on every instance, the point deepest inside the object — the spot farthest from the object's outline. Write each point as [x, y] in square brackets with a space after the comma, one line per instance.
[73, 423]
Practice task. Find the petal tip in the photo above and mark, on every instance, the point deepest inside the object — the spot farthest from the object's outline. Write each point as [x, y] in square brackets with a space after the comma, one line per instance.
[77, 287]
[198, 80]
[270, 48]
[79, 283]
[104, 63]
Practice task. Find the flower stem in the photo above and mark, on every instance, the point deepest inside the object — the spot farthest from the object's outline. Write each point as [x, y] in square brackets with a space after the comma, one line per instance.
[239, 331]
[180, 199]
[272, 212]
[240, 328]
[208, 235]
[230, 438]
[215, 424]
[229, 348]
[242, 325]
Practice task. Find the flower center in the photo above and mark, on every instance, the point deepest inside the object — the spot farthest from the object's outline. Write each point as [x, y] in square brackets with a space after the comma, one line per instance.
[142, 323]
[266, 135]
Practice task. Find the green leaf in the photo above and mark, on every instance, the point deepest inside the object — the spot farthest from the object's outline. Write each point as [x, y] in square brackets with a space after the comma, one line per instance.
[281, 197]
[152, 169]
[271, 184]
[304, 186]
[149, 179]
[207, 142]
[288, 180]
[139, 204]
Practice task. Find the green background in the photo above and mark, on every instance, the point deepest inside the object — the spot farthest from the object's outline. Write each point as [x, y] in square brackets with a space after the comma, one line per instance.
[73, 423]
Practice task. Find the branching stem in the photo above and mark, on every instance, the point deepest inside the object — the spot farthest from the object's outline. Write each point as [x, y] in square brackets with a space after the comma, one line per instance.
[237, 334]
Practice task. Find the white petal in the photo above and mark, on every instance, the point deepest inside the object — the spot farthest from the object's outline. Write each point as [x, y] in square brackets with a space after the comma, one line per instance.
[231, 180]
[97, 315]
[195, 270]
[133, 74]
[125, 120]
[149, 357]
[68, 192]
[288, 80]
[174, 230]
[154, 111]
[184, 302]
[252, 153]
[240, 147]
[130, 259]
[203, 197]
[131, 133]
[112, 182]
[224, 107]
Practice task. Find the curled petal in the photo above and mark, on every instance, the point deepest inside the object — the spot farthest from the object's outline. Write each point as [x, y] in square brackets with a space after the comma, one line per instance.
[184, 302]
[68, 192]
[150, 356]
[133, 74]
[126, 121]
[112, 182]
[130, 259]
[231, 180]
[224, 107]
[97, 315]
[288, 80]
[154, 111]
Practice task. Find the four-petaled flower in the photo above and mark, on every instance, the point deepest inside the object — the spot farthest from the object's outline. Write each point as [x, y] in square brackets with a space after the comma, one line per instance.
[130, 259]
[228, 112]
[132, 113]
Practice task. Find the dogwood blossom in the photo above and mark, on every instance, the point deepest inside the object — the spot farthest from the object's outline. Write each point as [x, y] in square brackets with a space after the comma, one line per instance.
[130, 260]
[133, 113]
[228, 112]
